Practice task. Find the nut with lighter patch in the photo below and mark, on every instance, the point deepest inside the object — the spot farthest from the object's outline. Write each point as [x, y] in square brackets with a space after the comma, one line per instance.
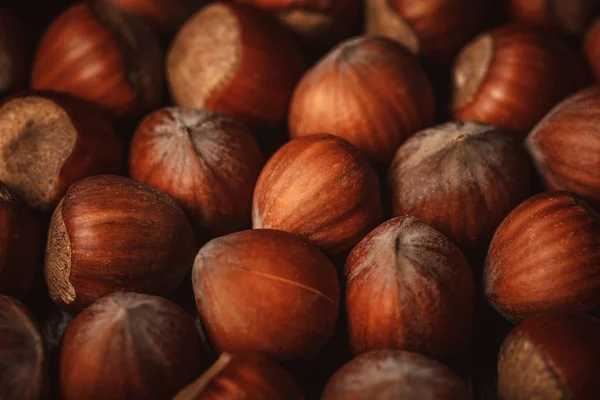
[462, 178]
[113, 234]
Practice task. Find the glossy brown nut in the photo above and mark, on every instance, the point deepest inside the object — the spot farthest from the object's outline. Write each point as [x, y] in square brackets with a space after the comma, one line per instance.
[112, 234]
[220, 158]
[166, 16]
[319, 187]
[545, 257]
[393, 374]
[235, 59]
[48, 141]
[409, 288]
[569, 16]
[381, 88]
[13, 68]
[512, 76]
[242, 377]
[565, 145]
[591, 48]
[321, 23]
[104, 55]
[22, 357]
[462, 178]
[20, 238]
[266, 291]
[551, 356]
[433, 29]
[129, 346]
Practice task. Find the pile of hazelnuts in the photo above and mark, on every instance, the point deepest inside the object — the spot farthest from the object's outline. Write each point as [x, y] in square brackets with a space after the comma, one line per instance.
[311, 199]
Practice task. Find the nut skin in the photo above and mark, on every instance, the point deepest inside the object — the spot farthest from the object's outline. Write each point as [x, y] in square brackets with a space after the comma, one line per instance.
[129, 346]
[462, 178]
[565, 145]
[591, 48]
[165, 16]
[220, 156]
[112, 234]
[433, 29]
[49, 141]
[409, 288]
[316, 22]
[512, 76]
[22, 358]
[568, 16]
[242, 377]
[551, 356]
[104, 55]
[558, 230]
[282, 295]
[394, 374]
[385, 94]
[13, 71]
[319, 187]
[236, 60]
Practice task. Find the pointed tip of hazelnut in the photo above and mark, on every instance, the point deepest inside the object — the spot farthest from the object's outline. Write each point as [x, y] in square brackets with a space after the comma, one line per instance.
[58, 260]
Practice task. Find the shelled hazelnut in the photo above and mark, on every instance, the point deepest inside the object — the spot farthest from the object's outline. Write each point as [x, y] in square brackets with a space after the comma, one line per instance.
[112, 234]
[13, 54]
[266, 291]
[319, 187]
[565, 145]
[409, 288]
[319, 23]
[236, 60]
[462, 178]
[513, 75]
[22, 357]
[393, 374]
[101, 54]
[568, 16]
[129, 346]
[20, 238]
[242, 377]
[50, 140]
[220, 158]
[545, 257]
[551, 356]
[370, 91]
[432, 29]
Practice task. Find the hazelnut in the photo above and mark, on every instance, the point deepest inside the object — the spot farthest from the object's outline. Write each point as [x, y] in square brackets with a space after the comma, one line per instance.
[513, 75]
[565, 145]
[393, 374]
[319, 187]
[112, 234]
[220, 158]
[48, 141]
[568, 16]
[20, 243]
[591, 48]
[129, 346]
[13, 67]
[319, 23]
[234, 59]
[551, 356]
[242, 377]
[432, 29]
[462, 178]
[22, 357]
[101, 54]
[409, 288]
[266, 291]
[544, 257]
[166, 16]
[368, 90]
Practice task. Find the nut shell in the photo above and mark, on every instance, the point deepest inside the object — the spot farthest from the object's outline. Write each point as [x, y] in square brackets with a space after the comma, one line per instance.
[319, 187]
[112, 234]
[569, 16]
[409, 288]
[555, 230]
